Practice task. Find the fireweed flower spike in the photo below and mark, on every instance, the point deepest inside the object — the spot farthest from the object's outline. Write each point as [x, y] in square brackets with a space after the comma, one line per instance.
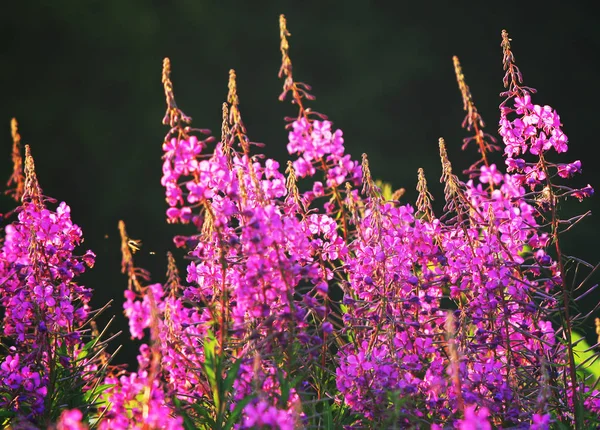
[527, 128]
[42, 304]
[141, 399]
[246, 264]
[318, 147]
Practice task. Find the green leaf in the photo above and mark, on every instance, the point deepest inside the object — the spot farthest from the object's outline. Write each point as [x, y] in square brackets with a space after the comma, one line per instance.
[237, 411]
[232, 376]
[4, 413]
[203, 411]
[526, 250]
[212, 367]
[89, 396]
[327, 416]
[585, 359]
[188, 423]
[284, 386]
[386, 189]
[562, 426]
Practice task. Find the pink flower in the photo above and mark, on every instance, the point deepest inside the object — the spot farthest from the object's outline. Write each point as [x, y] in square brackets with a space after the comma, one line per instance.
[490, 175]
[71, 420]
[523, 104]
[475, 419]
[540, 422]
[262, 415]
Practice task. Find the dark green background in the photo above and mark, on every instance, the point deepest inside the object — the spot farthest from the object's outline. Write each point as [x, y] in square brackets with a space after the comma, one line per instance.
[83, 79]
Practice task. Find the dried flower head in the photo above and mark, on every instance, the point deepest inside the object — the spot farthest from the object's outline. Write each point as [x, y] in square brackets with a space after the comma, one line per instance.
[286, 62]
[128, 248]
[17, 178]
[32, 191]
[174, 116]
[425, 198]
[473, 121]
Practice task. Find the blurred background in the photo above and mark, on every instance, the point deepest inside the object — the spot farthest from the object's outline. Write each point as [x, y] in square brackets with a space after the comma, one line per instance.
[83, 78]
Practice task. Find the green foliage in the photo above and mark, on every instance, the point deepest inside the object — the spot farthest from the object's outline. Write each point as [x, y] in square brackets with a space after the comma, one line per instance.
[386, 189]
[77, 382]
[586, 359]
[221, 372]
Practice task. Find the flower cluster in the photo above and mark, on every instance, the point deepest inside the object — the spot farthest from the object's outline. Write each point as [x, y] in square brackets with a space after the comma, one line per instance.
[316, 143]
[268, 261]
[137, 400]
[43, 304]
[393, 311]
[262, 415]
[336, 307]
[534, 130]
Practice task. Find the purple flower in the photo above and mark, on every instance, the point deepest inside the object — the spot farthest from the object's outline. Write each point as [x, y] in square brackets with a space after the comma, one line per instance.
[475, 419]
[70, 419]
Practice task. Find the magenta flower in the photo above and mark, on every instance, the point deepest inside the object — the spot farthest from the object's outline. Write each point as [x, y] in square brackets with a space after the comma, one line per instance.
[71, 420]
[262, 415]
[475, 419]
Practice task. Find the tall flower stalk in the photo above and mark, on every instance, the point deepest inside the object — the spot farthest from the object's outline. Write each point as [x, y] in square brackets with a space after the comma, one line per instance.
[48, 355]
[537, 130]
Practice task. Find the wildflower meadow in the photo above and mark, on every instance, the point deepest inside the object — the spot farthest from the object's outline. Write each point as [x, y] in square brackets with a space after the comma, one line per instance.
[314, 295]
